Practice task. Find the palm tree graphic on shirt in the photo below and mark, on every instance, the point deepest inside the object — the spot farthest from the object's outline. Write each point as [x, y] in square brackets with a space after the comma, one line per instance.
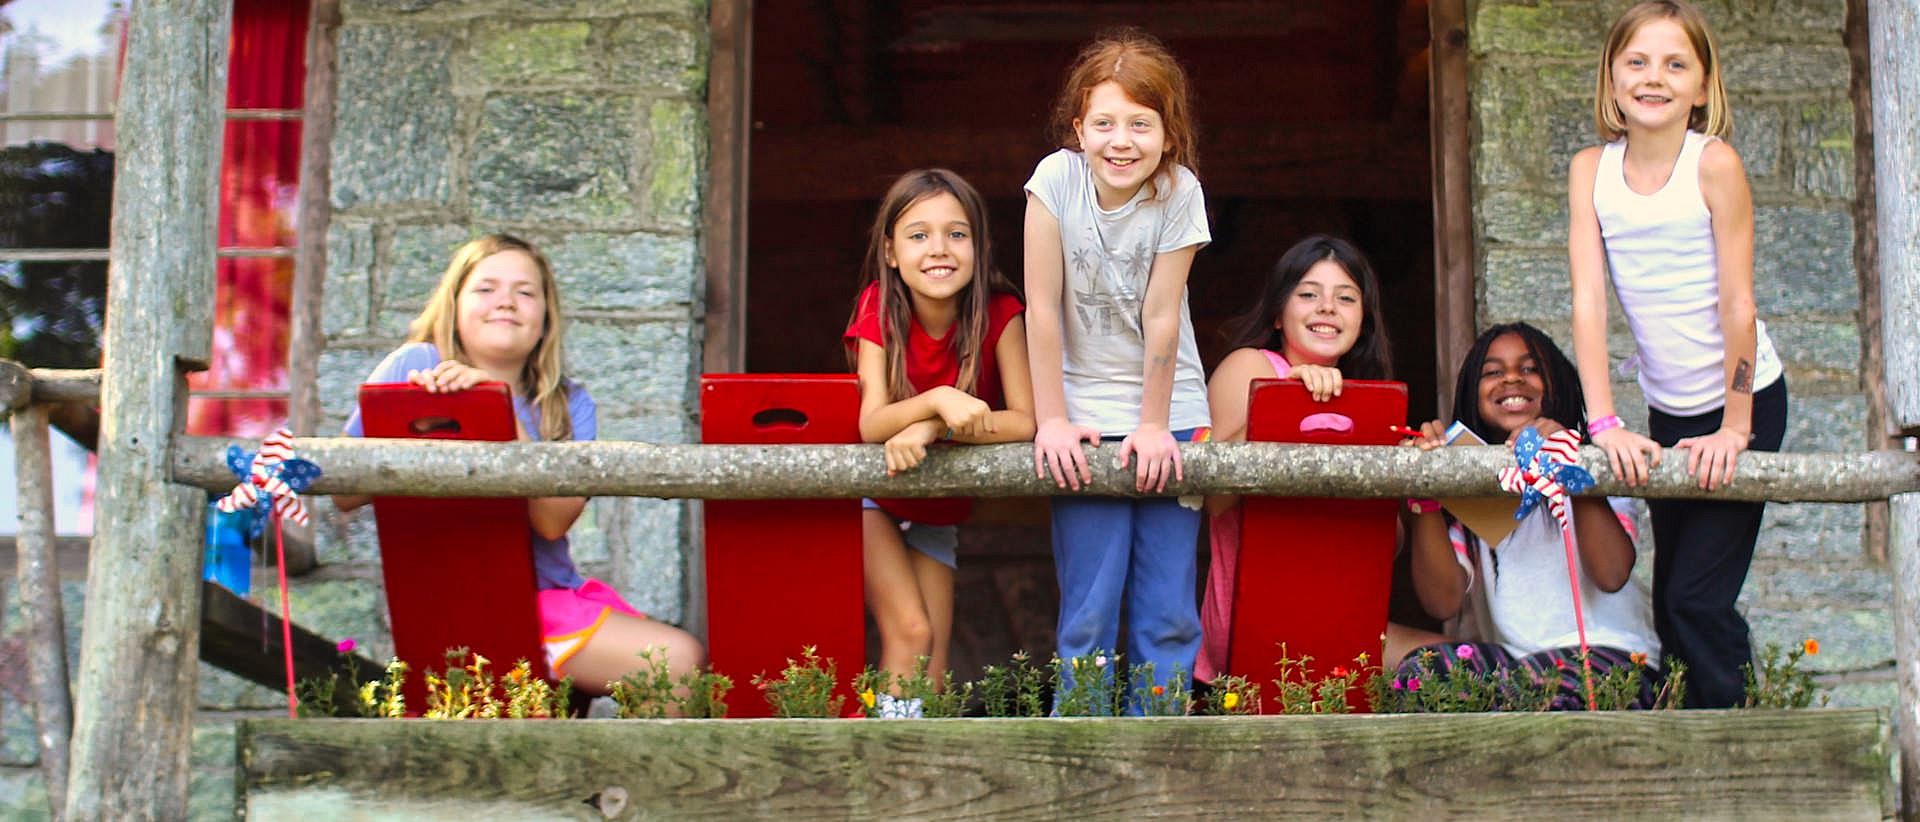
[1108, 289]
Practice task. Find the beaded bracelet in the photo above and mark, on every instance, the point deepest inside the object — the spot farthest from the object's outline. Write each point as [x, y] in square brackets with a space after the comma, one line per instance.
[1606, 423]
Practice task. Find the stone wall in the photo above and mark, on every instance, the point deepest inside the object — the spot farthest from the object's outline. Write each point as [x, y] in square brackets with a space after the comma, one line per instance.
[577, 125]
[1787, 74]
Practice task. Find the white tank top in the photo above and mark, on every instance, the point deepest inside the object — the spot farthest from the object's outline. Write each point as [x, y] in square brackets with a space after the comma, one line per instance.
[1660, 249]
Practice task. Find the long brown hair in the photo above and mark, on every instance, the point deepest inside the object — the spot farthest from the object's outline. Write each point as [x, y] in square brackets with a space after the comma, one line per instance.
[896, 305]
[1150, 76]
[1370, 358]
[541, 380]
[1715, 119]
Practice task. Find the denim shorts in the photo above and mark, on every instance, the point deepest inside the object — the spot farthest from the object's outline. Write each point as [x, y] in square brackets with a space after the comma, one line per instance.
[942, 542]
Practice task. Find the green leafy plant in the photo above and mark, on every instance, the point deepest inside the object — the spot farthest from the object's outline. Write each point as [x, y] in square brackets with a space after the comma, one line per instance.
[1779, 682]
[805, 688]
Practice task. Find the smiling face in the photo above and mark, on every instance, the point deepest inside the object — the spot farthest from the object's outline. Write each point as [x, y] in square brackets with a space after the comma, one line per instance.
[1322, 317]
[1658, 77]
[932, 247]
[1511, 384]
[1123, 142]
[501, 309]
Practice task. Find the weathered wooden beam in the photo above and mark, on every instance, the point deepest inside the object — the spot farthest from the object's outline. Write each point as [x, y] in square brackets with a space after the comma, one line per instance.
[133, 728]
[1828, 764]
[240, 637]
[38, 582]
[1896, 165]
[442, 469]
[305, 337]
[1904, 551]
[16, 386]
[1895, 77]
[65, 385]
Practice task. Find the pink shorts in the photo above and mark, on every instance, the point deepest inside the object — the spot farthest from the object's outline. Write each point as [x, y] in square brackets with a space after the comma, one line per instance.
[569, 617]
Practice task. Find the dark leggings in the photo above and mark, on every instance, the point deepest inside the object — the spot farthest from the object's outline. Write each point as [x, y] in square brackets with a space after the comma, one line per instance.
[1701, 552]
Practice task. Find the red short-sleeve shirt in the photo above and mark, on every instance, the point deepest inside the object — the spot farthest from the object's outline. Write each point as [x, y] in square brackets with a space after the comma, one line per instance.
[932, 363]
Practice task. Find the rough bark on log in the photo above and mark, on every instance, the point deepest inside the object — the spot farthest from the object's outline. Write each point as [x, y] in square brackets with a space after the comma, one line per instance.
[1896, 175]
[1827, 764]
[16, 386]
[1904, 551]
[38, 582]
[63, 385]
[139, 667]
[441, 468]
[305, 338]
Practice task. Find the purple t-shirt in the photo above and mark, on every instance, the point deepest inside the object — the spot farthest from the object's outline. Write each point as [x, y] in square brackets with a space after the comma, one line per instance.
[552, 563]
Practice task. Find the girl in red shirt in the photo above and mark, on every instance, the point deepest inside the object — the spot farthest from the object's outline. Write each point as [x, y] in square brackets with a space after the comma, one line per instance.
[941, 353]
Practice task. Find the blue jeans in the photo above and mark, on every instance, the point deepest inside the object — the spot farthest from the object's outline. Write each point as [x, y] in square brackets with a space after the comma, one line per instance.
[1115, 555]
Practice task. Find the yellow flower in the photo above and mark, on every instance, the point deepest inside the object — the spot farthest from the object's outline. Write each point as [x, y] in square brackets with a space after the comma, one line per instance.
[1230, 700]
[866, 697]
[1811, 646]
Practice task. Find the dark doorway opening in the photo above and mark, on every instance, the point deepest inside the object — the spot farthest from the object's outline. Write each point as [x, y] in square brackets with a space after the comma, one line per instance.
[1312, 117]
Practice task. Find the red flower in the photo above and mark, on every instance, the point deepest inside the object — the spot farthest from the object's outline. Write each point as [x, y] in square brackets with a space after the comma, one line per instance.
[1339, 672]
[1159, 690]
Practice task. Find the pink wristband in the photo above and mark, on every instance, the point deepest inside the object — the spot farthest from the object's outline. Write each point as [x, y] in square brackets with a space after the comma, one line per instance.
[1423, 506]
[1606, 423]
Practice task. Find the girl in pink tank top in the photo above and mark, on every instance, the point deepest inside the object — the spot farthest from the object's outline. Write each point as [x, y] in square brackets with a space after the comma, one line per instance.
[1317, 320]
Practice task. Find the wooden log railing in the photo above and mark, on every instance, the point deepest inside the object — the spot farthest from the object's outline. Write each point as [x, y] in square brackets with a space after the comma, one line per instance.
[440, 468]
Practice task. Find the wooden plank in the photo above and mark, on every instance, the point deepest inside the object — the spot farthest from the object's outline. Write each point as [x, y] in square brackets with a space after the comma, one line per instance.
[1895, 71]
[306, 337]
[133, 730]
[16, 385]
[1453, 214]
[1896, 173]
[240, 637]
[1905, 546]
[66, 385]
[1774, 764]
[729, 100]
[439, 468]
[38, 583]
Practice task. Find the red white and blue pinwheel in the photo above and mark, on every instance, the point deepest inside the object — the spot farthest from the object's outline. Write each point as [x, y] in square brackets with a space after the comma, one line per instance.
[270, 482]
[1547, 468]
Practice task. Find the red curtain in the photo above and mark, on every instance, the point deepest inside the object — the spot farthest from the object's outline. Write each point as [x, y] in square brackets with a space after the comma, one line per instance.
[259, 188]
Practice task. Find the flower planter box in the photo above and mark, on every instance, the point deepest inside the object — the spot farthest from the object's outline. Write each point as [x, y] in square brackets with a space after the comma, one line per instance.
[1827, 764]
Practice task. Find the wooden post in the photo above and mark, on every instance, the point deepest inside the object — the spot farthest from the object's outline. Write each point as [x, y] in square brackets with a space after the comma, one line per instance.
[306, 338]
[1895, 26]
[139, 666]
[39, 586]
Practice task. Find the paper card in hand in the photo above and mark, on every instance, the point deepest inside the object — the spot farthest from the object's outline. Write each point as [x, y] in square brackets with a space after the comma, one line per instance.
[1489, 518]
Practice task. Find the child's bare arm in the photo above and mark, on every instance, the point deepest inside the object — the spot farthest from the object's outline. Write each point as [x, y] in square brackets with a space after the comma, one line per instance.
[881, 419]
[1438, 580]
[1586, 261]
[1723, 183]
[1015, 422]
[1056, 440]
[1159, 455]
[1606, 552]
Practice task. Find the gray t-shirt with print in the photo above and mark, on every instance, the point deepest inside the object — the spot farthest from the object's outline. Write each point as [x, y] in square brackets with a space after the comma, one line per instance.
[1107, 256]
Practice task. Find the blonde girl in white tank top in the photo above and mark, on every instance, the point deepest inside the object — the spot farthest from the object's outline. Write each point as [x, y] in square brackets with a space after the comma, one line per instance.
[1665, 205]
[1685, 283]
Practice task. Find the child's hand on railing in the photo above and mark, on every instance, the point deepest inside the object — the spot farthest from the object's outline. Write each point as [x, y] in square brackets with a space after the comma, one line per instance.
[907, 449]
[1056, 451]
[1624, 453]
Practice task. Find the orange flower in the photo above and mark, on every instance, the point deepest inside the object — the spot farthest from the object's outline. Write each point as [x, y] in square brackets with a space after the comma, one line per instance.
[1811, 646]
[1638, 658]
[1159, 690]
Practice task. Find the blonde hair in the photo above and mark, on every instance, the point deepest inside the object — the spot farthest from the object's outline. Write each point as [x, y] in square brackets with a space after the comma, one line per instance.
[1714, 119]
[541, 380]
